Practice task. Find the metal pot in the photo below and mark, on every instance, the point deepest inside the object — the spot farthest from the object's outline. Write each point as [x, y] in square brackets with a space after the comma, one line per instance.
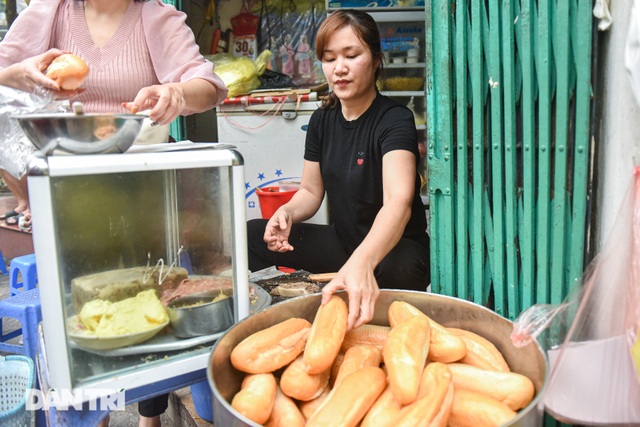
[81, 133]
[530, 361]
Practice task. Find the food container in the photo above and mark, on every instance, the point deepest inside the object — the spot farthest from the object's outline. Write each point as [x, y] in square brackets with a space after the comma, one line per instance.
[81, 133]
[530, 361]
[201, 314]
[403, 83]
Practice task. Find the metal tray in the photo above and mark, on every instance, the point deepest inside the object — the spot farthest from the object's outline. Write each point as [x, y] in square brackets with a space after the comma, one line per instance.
[169, 342]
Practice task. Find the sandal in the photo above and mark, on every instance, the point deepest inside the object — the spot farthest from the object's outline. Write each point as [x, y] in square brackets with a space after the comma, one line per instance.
[9, 214]
[13, 220]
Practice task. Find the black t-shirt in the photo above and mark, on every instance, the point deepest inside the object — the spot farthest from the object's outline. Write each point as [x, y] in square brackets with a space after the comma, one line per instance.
[350, 156]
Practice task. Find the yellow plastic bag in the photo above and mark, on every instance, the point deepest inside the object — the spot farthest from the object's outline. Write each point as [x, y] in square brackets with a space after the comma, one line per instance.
[240, 74]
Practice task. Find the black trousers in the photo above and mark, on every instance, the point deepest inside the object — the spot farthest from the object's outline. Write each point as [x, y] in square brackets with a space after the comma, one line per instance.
[317, 249]
[154, 406]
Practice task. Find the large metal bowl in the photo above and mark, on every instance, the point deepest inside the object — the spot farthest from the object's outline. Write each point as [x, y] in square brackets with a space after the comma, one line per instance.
[530, 361]
[201, 314]
[81, 133]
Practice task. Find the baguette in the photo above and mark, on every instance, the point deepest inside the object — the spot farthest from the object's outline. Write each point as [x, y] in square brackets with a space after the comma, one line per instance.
[513, 389]
[444, 346]
[431, 408]
[384, 411]
[297, 383]
[256, 397]
[470, 409]
[309, 407]
[405, 354]
[356, 358]
[366, 334]
[285, 412]
[335, 368]
[272, 348]
[326, 336]
[481, 352]
[348, 403]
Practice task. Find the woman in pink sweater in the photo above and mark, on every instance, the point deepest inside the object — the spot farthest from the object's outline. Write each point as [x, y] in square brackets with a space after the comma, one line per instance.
[141, 56]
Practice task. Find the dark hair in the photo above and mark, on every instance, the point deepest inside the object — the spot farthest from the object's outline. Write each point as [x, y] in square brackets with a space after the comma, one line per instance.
[365, 29]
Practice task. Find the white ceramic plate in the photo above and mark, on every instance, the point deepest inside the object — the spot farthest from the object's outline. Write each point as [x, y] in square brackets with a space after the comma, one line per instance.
[85, 339]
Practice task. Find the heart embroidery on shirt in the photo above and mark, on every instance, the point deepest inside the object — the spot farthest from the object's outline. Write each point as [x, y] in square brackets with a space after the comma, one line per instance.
[360, 159]
[360, 162]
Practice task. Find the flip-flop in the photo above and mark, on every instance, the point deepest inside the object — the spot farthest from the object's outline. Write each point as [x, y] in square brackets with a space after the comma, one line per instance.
[9, 214]
[13, 220]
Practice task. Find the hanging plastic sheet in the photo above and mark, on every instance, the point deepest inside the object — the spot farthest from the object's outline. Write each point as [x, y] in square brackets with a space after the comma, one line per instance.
[288, 28]
[592, 338]
[15, 147]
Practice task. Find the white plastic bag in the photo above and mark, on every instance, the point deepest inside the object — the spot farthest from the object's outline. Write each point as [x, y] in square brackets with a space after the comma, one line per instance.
[594, 378]
[15, 147]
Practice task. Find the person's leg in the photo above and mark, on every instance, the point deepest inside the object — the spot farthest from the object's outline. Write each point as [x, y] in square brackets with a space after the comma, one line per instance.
[18, 188]
[316, 248]
[407, 266]
[151, 409]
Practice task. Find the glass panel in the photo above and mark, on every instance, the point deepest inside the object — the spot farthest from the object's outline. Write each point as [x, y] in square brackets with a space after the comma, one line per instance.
[143, 228]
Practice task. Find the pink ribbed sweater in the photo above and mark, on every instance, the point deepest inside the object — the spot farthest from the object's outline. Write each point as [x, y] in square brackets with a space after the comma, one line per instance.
[153, 44]
[110, 82]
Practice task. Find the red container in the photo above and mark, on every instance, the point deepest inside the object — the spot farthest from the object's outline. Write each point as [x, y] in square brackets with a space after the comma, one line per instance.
[271, 198]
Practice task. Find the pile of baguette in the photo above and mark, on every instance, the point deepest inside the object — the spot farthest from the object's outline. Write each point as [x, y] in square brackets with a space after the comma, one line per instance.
[414, 372]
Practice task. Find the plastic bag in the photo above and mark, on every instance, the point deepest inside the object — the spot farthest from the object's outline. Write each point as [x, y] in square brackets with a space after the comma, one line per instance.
[592, 338]
[15, 148]
[240, 74]
[289, 30]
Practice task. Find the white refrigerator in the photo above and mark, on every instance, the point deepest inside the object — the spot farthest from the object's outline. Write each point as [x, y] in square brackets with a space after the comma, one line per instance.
[270, 134]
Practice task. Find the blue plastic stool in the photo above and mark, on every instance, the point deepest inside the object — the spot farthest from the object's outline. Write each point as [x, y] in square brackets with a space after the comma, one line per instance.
[25, 307]
[25, 266]
[3, 265]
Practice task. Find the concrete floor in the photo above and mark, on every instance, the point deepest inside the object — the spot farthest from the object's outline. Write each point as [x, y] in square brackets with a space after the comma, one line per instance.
[181, 412]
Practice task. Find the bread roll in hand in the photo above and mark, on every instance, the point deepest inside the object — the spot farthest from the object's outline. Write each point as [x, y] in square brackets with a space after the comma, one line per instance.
[326, 336]
[68, 70]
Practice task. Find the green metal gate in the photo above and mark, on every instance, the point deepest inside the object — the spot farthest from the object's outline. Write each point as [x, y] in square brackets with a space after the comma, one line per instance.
[508, 102]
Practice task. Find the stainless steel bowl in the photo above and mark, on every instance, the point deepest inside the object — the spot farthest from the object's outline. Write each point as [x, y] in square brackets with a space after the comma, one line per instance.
[81, 133]
[530, 361]
[197, 315]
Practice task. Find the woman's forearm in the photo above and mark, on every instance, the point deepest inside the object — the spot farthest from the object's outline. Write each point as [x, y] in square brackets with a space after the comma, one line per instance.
[199, 94]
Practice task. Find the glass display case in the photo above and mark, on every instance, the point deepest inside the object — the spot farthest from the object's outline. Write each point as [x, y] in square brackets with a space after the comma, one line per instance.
[116, 238]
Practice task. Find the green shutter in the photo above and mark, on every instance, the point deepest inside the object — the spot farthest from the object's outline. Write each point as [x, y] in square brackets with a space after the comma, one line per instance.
[508, 98]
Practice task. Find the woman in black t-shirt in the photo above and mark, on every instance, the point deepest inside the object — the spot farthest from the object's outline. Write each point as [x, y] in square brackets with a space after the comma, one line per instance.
[362, 150]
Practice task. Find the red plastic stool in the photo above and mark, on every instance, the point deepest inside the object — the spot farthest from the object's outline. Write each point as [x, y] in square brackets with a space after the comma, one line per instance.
[25, 266]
